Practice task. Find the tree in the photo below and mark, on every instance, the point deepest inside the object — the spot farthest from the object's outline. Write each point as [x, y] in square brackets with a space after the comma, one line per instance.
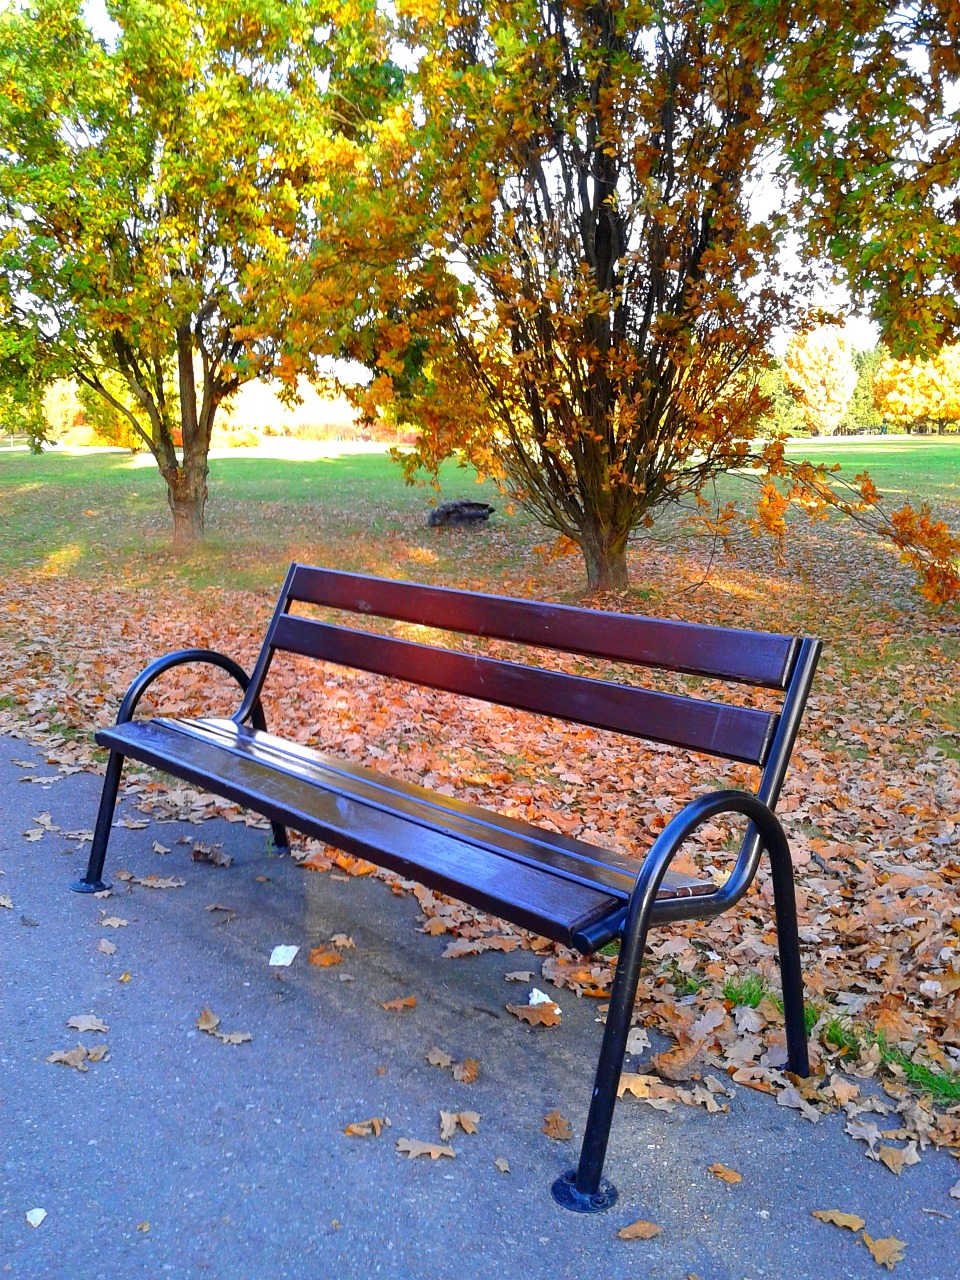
[920, 391]
[861, 412]
[819, 370]
[586, 308]
[870, 128]
[153, 201]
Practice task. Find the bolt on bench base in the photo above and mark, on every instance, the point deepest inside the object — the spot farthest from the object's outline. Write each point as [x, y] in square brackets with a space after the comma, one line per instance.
[566, 1194]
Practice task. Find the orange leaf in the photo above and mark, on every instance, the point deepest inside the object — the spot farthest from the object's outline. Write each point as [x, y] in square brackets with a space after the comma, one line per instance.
[401, 1002]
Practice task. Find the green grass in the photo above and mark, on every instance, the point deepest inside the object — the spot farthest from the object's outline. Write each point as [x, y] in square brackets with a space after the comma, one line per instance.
[748, 990]
[83, 513]
[852, 1038]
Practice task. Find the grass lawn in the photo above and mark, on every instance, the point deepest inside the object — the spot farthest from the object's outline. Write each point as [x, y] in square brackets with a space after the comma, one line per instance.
[91, 590]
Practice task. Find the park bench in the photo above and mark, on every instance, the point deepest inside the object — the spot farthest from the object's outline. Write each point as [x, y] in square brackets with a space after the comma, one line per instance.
[570, 891]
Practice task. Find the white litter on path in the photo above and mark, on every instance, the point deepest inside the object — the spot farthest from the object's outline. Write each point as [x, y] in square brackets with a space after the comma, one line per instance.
[283, 955]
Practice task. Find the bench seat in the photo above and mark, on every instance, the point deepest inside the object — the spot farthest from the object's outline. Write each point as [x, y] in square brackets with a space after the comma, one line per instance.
[565, 889]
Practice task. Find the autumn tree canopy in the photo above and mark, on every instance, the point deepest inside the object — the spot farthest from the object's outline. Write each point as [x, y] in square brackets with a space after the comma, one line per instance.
[588, 303]
[818, 368]
[921, 390]
[153, 206]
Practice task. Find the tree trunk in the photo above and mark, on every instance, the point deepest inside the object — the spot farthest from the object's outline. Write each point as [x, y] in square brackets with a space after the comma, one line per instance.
[187, 496]
[606, 560]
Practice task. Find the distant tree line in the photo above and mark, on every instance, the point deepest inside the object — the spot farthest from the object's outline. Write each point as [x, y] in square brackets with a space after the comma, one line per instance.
[823, 386]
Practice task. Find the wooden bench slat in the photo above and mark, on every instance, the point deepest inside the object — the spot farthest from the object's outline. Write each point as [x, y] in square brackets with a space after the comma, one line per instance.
[576, 860]
[748, 657]
[736, 733]
[534, 898]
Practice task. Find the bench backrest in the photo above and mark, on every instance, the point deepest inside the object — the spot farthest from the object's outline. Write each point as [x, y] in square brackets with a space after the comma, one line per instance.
[746, 734]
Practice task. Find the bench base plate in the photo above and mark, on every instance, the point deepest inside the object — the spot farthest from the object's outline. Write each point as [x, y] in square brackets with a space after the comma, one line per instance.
[566, 1194]
[85, 886]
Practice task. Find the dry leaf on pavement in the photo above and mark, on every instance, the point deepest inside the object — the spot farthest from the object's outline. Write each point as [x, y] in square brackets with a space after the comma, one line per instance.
[437, 1058]
[898, 1158]
[839, 1219]
[501, 1164]
[401, 1002]
[411, 1148]
[467, 1071]
[325, 957]
[208, 1020]
[87, 1022]
[887, 1252]
[75, 1058]
[639, 1230]
[725, 1174]
[106, 947]
[554, 1126]
[538, 1015]
[366, 1128]
[468, 1121]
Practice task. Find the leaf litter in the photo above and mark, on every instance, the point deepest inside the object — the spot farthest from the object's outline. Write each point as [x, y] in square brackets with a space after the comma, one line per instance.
[872, 803]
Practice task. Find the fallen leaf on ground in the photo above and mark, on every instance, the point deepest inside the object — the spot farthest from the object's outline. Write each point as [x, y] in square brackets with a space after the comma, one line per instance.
[87, 1022]
[725, 1174]
[159, 848]
[639, 1230]
[343, 941]
[839, 1219]
[887, 1252]
[437, 1058]
[501, 1164]
[411, 1148]
[791, 1097]
[143, 1226]
[538, 1015]
[468, 1121]
[401, 1002]
[212, 853]
[898, 1158]
[75, 1058]
[234, 1037]
[208, 1020]
[650, 1089]
[519, 975]
[106, 947]
[6, 902]
[554, 1126]
[467, 1071]
[125, 976]
[366, 1128]
[98, 1053]
[113, 922]
[955, 1191]
[325, 957]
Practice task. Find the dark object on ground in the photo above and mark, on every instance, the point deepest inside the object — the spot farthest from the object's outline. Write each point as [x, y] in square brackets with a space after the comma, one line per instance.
[460, 511]
[575, 893]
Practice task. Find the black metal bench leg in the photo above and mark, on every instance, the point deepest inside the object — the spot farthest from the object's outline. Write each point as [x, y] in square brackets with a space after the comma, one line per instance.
[92, 882]
[791, 972]
[584, 1189]
[281, 841]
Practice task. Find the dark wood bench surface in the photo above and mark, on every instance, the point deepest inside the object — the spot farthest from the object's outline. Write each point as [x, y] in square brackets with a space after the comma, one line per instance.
[564, 889]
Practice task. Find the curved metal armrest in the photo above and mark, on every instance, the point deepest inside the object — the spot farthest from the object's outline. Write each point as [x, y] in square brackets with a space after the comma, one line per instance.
[765, 832]
[177, 659]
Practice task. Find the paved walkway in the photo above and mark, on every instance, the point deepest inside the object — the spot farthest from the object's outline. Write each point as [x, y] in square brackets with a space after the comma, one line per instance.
[185, 1156]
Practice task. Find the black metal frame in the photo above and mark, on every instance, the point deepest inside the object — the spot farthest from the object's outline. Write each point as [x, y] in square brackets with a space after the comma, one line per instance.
[93, 881]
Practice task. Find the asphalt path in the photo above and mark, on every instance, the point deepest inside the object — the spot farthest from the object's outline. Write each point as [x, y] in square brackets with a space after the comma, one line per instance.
[183, 1155]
